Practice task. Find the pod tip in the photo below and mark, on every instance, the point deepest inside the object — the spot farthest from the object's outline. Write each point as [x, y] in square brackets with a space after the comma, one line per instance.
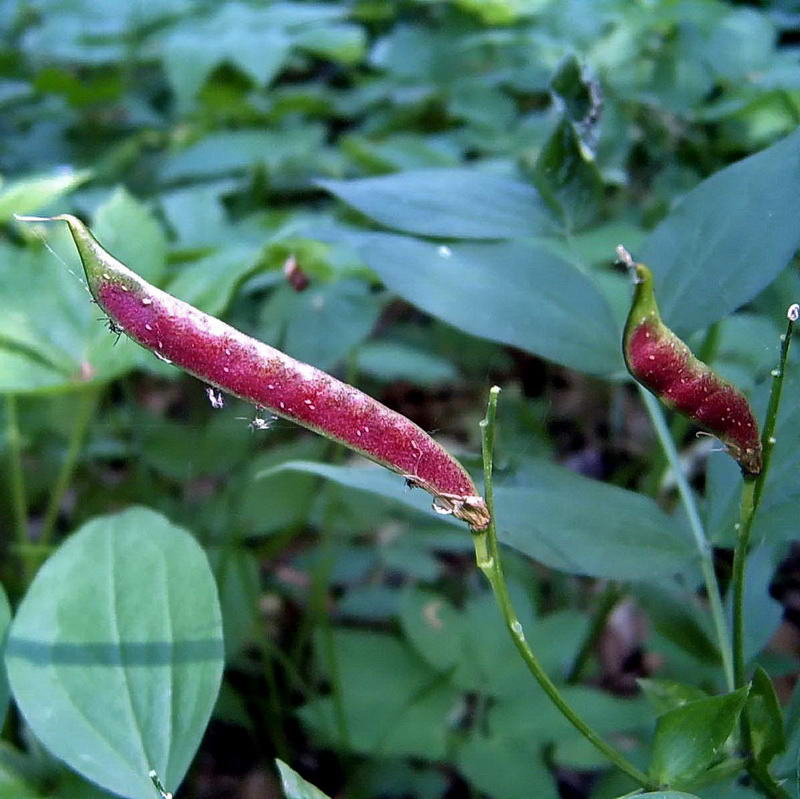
[24, 218]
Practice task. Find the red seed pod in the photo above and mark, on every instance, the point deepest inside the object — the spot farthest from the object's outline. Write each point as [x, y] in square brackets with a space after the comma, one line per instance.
[661, 362]
[231, 361]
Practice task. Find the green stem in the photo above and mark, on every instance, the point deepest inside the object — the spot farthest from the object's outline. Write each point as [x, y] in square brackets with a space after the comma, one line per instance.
[747, 508]
[696, 526]
[752, 489]
[487, 555]
[606, 602]
[19, 500]
[80, 424]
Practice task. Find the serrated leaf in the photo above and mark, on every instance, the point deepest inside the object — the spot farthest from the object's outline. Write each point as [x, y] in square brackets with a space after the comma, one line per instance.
[113, 685]
[294, 786]
[689, 738]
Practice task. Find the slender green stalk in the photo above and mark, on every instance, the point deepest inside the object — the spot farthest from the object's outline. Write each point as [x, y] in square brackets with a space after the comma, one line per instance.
[80, 424]
[696, 526]
[487, 555]
[19, 500]
[752, 489]
[607, 601]
[747, 512]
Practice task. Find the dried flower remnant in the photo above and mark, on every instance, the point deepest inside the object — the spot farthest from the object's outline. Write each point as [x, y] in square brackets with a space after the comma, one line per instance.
[294, 274]
[661, 362]
[233, 362]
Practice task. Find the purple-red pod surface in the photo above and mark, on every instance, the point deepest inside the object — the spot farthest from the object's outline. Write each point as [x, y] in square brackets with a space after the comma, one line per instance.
[663, 363]
[240, 365]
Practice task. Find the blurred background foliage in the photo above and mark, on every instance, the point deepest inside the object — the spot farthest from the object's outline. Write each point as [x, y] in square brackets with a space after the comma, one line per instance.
[508, 145]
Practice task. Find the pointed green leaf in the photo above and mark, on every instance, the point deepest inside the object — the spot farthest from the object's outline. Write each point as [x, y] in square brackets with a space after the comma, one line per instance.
[457, 203]
[728, 238]
[666, 695]
[31, 194]
[515, 293]
[634, 528]
[115, 656]
[689, 738]
[766, 718]
[294, 786]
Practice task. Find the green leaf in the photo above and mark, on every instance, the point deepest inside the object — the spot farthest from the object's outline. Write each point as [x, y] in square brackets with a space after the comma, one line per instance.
[236, 573]
[294, 786]
[567, 177]
[5, 620]
[344, 42]
[666, 695]
[502, 767]
[766, 718]
[322, 324]
[457, 203]
[31, 194]
[113, 685]
[514, 293]
[575, 90]
[50, 334]
[388, 360]
[209, 282]
[256, 40]
[728, 238]
[559, 518]
[394, 703]
[689, 738]
[129, 230]
[666, 795]
[674, 614]
[234, 152]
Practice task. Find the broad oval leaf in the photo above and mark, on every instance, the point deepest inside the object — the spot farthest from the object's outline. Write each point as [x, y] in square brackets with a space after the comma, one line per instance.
[115, 656]
[515, 293]
[563, 520]
[728, 238]
[456, 203]
[689, 737]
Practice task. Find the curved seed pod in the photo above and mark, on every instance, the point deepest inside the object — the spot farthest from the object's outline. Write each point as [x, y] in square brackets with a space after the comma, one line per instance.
[661, 362]
[228, 359]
